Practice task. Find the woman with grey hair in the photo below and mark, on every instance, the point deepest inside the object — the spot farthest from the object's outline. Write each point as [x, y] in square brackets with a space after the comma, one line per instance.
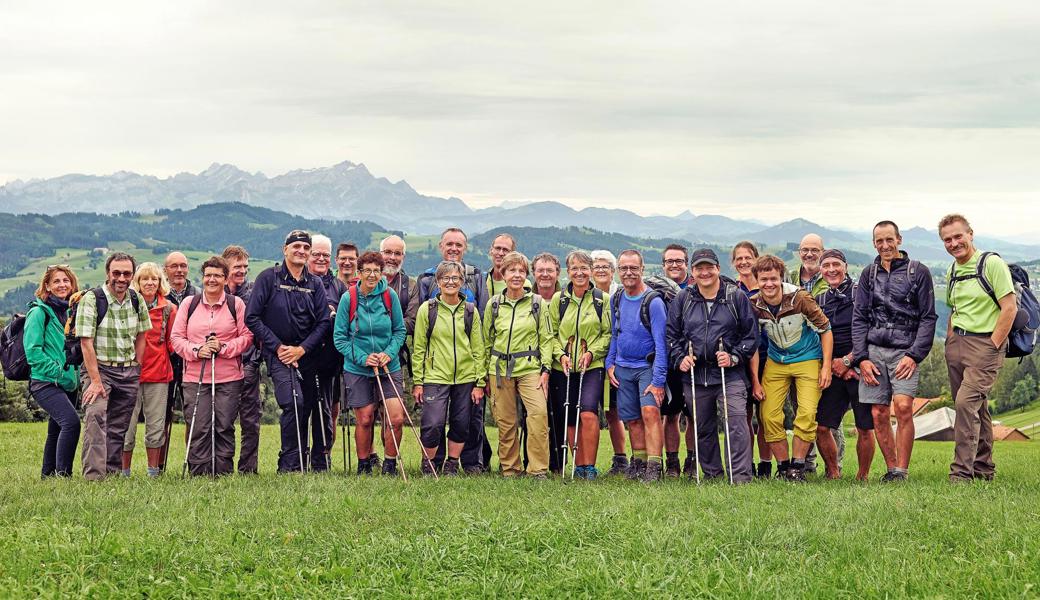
[580, 321]
[448, 366]
[604, 267]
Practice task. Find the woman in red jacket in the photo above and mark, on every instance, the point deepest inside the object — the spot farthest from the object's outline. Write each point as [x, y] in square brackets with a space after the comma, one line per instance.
[156, 369]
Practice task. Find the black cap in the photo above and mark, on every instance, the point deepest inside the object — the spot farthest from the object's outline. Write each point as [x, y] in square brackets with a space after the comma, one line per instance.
[833, 253]
[704, 255]
[298, 235]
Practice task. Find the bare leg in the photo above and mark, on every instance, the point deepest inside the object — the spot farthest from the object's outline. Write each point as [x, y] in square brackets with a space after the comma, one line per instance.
[883, 432]
[903, 407]
[864, 452]
[828, 450]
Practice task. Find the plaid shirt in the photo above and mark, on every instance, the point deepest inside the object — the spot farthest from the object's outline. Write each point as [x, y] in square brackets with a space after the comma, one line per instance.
[114, 336]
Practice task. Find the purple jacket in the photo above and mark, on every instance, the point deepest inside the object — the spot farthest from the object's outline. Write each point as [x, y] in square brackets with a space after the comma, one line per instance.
[894, 309]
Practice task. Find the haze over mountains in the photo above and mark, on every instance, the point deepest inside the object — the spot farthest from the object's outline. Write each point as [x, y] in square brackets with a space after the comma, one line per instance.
[349, 191]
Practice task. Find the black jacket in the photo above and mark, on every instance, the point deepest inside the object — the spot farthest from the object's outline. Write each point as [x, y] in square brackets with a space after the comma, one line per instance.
[894, 309]
[837, 304]
[329, 360]
[730, 318]
[287, 311]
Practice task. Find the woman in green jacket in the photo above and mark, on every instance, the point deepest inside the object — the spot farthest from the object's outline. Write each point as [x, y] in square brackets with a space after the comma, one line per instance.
[580, 318]
[369, 332]
[448, 366]
[518, 342]
[52, 382]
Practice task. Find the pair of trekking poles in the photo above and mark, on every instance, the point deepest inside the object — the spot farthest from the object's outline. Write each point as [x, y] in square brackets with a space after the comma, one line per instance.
[725, 417]
[565, 447]
[212, 411]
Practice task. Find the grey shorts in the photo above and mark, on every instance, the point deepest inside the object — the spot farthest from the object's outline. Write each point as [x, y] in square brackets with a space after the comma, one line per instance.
[362, 390]
[886, 359]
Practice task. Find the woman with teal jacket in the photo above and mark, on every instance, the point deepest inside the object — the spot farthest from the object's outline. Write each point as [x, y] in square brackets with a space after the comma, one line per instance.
[52, 382]
[369, 332]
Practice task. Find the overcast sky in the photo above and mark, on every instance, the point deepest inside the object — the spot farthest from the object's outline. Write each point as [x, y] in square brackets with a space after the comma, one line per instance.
[841, 112]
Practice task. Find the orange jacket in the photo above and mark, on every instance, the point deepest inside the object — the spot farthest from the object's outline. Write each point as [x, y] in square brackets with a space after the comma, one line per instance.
[156, 367]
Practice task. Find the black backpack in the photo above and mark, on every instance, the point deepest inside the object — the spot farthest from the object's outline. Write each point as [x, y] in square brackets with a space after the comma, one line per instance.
[229, 301]
[467, 318]
[659, 287]
[1022, 339]
[12, 347]
[73, 352]
[597, 302]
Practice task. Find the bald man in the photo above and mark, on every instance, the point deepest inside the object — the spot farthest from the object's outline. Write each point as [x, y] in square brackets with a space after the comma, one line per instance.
[176, 267]
[807, 275]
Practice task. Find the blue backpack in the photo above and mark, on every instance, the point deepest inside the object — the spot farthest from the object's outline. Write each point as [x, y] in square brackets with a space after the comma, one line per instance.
[1022, 339]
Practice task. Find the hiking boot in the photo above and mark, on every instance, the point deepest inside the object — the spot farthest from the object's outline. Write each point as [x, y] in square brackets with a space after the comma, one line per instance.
[390, 467]
[653, 472]
[671, 468]
[618, 466]
[374, 461]
[689, 468]
[473, 470]
[427, 468]
[781, 471]
[579, 472]
[451, 468]
[795, 474]
[364, 467]
[893, 477]
[591, 473]
[635, 469]
[765, 470]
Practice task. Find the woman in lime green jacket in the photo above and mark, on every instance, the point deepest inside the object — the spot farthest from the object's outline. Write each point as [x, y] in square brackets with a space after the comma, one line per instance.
[580, 317]
[518, 342]
[52, 382]
[448, 366]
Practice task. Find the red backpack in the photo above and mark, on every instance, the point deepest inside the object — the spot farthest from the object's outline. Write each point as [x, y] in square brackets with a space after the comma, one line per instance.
[352, 292]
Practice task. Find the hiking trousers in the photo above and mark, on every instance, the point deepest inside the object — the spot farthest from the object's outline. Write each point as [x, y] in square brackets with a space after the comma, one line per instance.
[973, 364]
[504, 393]
[62, 428]
[106, 420]
[710, 415]
[250, 408]
[200, 444]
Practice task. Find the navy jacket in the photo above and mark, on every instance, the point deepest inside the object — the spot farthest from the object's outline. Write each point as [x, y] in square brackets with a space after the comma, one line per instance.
[287, 311]
[837, 304]
[730, 318]
[244, 291]
[894, 309]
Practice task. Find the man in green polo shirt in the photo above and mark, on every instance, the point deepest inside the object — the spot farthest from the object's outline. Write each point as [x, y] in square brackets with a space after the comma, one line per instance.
[976, 342]
[112, 350]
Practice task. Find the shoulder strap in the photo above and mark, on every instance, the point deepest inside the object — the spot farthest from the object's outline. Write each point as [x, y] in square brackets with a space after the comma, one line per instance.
[404, 292]
[565, 300]
[195, 300]
[101, 301]
[166, 310]
[352, 292]
[615, 318]
[431, 306]
[496, 302]
[467, 317]
[644, 308]
[536, 313]
[731, 301]
[597, 302]
[388, 302]
[232, 306]
[135, 300]
[980, 272]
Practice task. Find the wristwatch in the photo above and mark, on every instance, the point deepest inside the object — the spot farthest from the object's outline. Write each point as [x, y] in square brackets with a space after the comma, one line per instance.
[733, 358]
[845, 361]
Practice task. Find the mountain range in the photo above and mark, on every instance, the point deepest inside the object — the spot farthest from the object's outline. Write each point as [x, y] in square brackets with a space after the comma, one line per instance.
[349, 191]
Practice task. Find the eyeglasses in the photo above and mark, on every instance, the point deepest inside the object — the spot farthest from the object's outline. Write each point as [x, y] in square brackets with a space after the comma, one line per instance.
[450, 279]
[602, 268]
[810, 251]
[630, 269]
[122, 274]
[392, 253]
[675, 262]
[371, 272]
[321, 255]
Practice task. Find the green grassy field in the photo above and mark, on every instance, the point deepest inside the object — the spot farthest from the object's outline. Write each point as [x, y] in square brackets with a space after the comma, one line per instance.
[330, 536]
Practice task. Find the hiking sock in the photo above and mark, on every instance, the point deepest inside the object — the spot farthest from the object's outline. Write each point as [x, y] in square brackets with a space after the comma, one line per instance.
[900, 471]
[672, 456]
[154, 471]
[654, 459]
[641, 455]
[622, 455]
[798, 463]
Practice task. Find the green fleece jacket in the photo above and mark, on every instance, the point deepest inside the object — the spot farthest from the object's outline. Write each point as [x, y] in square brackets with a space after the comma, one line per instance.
[45, 348]
[593, 329]
[451, 356]
[515, 331]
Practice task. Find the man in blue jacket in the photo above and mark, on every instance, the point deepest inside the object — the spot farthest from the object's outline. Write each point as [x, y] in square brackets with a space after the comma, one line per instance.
[893, 325]
[637, 364]
[704, 315]
[289, 314]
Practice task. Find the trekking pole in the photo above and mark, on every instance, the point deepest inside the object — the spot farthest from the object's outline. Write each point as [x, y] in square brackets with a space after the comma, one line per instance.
[693, 401]
[321, 419]
[294, 375]
[577, 424]
[725, 418]
[387, 423]
[213, 414]
[411, 424]
[345, 434]
[566, 414]
[194, 411]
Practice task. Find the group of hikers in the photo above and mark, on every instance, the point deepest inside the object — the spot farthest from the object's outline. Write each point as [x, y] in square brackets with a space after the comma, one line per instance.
[726, 353]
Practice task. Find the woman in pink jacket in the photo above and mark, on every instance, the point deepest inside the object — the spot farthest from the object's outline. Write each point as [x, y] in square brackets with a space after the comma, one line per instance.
[210, 334]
